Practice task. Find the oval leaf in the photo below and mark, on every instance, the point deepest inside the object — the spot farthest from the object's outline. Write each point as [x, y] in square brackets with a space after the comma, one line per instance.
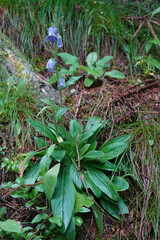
[91, 58]
[50, 180]
[115, 74]
[103, 182]
[64, 198]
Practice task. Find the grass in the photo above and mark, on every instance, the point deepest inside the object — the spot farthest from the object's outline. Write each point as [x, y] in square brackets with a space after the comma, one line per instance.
[85, 26]
[144, 161]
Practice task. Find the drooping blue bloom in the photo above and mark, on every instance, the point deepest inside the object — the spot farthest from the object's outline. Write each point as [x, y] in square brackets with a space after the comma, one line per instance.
[50, 65]
[61, 82]
[52, 35]
[59, 42]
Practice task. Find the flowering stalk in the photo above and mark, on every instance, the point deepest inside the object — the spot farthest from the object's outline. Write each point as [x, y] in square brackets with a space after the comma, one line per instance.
[59, 88]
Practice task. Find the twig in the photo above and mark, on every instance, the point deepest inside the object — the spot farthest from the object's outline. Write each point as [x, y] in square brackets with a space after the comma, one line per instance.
[101, 92]
[137, 31]
[78, 105]
[151, 29]
[125, 94]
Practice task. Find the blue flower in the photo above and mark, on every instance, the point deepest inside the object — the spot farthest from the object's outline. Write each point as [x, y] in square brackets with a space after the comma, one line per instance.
[59, 42]
[50, 65]
[61, 82]
[52, 35]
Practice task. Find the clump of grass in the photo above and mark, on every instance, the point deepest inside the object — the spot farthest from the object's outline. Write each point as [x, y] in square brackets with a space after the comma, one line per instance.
[144, 160]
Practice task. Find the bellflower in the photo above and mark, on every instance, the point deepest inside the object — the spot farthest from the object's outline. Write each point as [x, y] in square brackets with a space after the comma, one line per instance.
[52, 35]
[59, 42]
[50, 65]
[61, 82]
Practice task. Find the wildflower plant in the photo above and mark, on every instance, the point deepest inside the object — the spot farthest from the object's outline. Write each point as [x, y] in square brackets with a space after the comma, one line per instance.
[74, 173]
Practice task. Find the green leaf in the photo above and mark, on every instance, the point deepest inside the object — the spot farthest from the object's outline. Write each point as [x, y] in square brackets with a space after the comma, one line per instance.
[11, 226]
[73, 80]
[39, 217]
[88, 82]
[115, 147]
[58, 155]
[98, 218]
[71, 230]
[82, 199]
[78, 221]
[40, 127]
[2, 211]
[50, 180]
[123, 207]
[103, 61]
[115, 74]
[56, 108]
[157, 10]
[92, 122]
[96, 71]
[60, 112]
[84, 68]
[91, 58]
[93, 155]
[155, 41]
[75, 128]
[76, 177]
[53, 79]
[64, 198]
[103, 182]
[44, 164]
[120, 184]
[40, 142]
[31, 175]
[106, 166]
[56, 220]
[69, 59]
[84, 149]
[111, 208]
[115, 209]
[90, 184]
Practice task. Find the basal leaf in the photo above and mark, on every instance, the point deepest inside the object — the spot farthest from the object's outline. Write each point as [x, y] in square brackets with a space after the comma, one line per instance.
[75, 128]
[103, 61]
[50, 180]
[96, 71]
[91, 58]
[64, 198]
[73, 80]
[103, 182]
[115, 74]
[93, 155]
[76, 177]
[88, 82]
[31, 175]
[71, 230]
[82, 199]
[40, 127]
[98, 218]
[58, 155]
[120, 183]
[115, 147]
[90, 184]
[40, 142]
